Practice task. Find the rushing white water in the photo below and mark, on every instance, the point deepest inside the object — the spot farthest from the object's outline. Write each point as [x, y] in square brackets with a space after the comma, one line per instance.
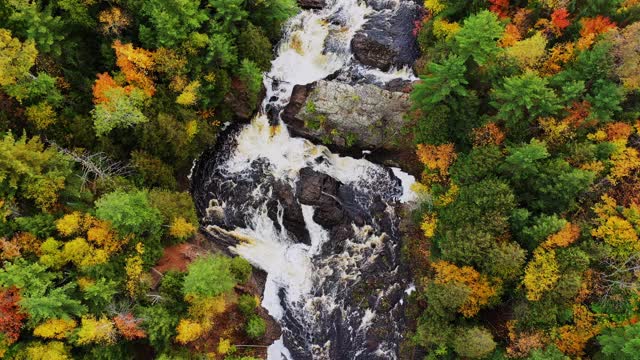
[315, 45]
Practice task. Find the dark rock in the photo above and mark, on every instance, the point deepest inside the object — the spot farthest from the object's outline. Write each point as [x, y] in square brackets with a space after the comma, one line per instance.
[399, 85]
[316, 188]
[296, 102]
[292, 217]
[320, 190]
[312, 4]
[387, 40]
[241, 105]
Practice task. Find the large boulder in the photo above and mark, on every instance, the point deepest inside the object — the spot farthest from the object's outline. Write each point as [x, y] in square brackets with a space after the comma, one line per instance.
[321, 191]
[386, 40]
[363, 115]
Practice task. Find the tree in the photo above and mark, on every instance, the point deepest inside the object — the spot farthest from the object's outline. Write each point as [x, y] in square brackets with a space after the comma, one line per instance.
[621, 342]
[96, 331]
[478, 37]
[29, 171]
[129, 326]
[55, 328]
[437, 160]
[160, 324]
[11, 316]
[559, 18]
[16, 58]
[56, 303]
[129, 212]
[254, 45]
[171, 22]
[113, 21]
[529, 52]
[228, 13]
[550, 185]
[444, 80]
[481, 291]
[209, 276]
[135, 64]
[189, 94]
[474, 343]
[541, 274]
[52, 350]
[256, 327]
[181, 229]
[122, 109]
[188, 331]
[521, 100]
[33, 21]
[251, 76]
[626, 44]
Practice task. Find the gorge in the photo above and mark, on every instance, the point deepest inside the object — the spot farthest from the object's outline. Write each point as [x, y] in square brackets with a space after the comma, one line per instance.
[324, 227]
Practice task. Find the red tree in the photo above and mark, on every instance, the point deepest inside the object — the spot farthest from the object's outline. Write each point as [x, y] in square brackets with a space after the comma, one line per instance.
[10, 316]
[128, 327]
[560, 17]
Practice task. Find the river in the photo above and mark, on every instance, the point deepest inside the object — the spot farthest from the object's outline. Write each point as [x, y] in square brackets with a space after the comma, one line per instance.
[323, 226]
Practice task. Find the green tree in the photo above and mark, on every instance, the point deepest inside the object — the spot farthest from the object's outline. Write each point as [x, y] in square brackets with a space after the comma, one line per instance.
[172, 21]
[228, 13]
[256, 327]
[444, 80]
[160, 324]
[247, 304]
[254, 45]
[38, 89]
[251, 77]
[621, 342]
[521, 100]
[29, 171]
[33, 21]
[478, 37]
[99, 294]
[41, 297]
[209, 276]
[550, 185]
[474, 343]
[130, 212]
[122, 110]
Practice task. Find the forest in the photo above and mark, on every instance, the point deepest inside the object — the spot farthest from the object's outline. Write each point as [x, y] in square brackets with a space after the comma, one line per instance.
[525, 123]
[526, 120]
[104, 105]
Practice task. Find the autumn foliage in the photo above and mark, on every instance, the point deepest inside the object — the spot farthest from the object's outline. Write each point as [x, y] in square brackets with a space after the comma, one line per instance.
[129, 327]
[136, 64]
[481, 290]
[11, 317]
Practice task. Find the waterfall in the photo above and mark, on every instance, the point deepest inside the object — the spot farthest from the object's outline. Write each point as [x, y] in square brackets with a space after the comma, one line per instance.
[336, 293]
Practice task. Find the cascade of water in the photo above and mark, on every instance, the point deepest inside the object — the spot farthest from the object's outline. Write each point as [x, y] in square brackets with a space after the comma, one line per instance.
[308, 284]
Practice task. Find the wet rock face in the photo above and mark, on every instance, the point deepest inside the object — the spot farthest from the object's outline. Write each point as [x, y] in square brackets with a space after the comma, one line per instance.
[312, 4]
[362, 115]
[386, 40]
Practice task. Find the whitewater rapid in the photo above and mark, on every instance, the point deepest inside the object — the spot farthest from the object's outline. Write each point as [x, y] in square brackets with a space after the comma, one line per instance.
[305, 282]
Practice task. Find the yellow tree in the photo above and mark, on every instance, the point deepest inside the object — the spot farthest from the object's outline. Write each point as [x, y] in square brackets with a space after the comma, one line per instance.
[188, 331]
[16, 58]
[437, 160]
[113, 21]
[481, 290]
[136, 64]
[529, 52]
[541, 274]
[55, 328]
[96, 331]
